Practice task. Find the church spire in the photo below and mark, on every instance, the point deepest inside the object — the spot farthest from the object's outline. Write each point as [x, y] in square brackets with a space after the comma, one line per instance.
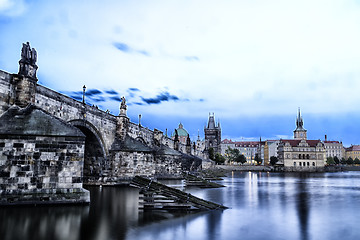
[299, 120]
[300, 131]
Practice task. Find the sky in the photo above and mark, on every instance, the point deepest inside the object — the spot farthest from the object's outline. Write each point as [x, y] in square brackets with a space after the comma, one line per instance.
[251, 63]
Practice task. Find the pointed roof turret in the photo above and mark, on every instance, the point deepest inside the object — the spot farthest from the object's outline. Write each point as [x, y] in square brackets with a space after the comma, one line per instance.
[300, 131]
[211, 122]
[299, 122]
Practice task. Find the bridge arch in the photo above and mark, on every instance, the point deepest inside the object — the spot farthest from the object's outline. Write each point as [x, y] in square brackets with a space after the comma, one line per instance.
[95, 152]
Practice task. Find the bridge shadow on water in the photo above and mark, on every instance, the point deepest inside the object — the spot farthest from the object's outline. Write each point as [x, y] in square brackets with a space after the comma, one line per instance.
[112, 214]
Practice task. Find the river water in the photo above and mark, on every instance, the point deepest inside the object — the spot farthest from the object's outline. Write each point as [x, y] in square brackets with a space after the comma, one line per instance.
[262, 206]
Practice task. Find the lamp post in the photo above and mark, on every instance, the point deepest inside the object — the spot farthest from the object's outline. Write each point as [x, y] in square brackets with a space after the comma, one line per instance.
[84, 88]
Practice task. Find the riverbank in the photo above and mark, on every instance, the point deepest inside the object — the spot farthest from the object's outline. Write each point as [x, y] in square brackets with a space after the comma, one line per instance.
[254, 168]
[245, 168]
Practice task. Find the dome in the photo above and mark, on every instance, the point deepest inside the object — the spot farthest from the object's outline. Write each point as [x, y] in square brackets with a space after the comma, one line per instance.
[181, 131]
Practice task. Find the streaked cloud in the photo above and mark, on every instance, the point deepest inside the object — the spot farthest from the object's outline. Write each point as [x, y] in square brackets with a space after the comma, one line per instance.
[92, 92]
[116, 98]
[191, 58]
[127, 49]
[111, 92]
[162, 97]
[239, 59]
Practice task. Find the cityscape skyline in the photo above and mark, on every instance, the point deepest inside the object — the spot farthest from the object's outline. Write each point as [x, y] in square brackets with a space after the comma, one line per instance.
[252, 64]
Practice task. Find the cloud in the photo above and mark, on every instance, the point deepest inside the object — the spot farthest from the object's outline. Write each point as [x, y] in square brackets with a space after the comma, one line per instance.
[98, 99]
[111, 92]
[92, 92]
[12, 8]
[122, 47]
[162, 97]
[134, 89]
[138, 103]
[127, 49]
[132, 92]
[143, 52]
[116, 98]
[192, 58]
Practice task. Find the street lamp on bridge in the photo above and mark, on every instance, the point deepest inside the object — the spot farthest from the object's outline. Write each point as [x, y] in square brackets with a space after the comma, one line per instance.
[84, 89]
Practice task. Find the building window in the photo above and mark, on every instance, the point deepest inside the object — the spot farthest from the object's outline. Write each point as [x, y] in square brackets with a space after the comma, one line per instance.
[308, 164]
[313, 164]
[294, 164]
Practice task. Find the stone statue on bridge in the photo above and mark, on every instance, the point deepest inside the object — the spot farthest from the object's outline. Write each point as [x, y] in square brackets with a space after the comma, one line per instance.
[28, 60]
[28, 54]
[123, 106]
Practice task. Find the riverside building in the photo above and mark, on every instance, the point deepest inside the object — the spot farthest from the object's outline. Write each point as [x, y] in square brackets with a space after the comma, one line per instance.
[301, 154]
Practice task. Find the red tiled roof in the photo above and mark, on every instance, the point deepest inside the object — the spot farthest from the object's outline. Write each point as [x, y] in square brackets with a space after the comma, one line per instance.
[295, 143]
[353, 148]
[331, 142]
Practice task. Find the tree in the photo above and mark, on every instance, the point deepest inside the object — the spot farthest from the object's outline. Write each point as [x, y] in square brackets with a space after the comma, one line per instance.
[330, 161]
[343, 161]
[356, 161]
[349, 161]
[273, 160]
[219, 159]
[336, 160]
[258, 159]
[211, 154]
[233, 155]
[242, 159]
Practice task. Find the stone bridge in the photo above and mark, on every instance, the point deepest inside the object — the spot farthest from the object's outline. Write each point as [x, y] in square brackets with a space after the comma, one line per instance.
[114, 149]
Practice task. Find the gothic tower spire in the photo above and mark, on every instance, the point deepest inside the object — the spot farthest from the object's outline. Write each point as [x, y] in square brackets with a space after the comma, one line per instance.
[300, 131]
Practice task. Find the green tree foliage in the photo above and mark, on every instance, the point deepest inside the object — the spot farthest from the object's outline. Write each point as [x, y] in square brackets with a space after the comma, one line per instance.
[336, 160]
[258, 159]
[273, 160]
[233, 155]
[211, 154]
[343, 161]
[356, 161]
[349, 161]
[330, 161]
[242, 159]
[219, 159]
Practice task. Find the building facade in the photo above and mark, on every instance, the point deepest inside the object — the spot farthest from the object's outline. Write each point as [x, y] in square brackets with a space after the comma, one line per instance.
[249, 149]
[301, 154]
[353, 151]
[270, 150]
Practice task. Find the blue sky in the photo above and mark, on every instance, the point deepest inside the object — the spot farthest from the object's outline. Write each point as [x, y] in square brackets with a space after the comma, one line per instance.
[252, 63]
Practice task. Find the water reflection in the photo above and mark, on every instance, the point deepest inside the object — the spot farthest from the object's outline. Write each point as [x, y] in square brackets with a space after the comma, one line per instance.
[303, 206]
[42, 222]
[112, 211]
[262, 206]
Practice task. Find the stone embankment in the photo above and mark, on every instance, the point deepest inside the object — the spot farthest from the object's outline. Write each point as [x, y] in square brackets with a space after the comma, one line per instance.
[245, 168]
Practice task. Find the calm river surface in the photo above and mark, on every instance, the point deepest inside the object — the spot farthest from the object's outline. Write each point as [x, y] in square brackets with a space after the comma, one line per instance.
[262, 206]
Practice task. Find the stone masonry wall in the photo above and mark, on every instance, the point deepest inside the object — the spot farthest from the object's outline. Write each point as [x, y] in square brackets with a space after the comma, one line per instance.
[126, 165]
[69, 109]
[38, 168]
[7, 93]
